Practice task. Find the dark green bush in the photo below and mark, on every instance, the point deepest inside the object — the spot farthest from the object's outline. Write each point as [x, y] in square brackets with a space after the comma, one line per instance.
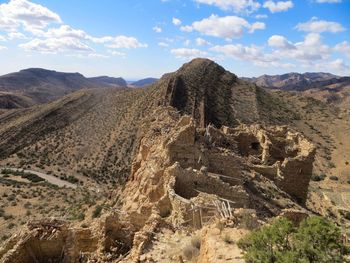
[97, 212]
[316, 240]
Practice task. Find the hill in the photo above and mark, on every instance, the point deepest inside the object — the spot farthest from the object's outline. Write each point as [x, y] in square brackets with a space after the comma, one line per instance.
[41, 85]
[105, 80]
[144, 82]
[14, 101]
[297, 81]
[95, 132]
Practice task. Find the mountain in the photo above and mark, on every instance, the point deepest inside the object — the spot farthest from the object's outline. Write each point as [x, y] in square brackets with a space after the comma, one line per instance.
[97, 130]
[41, 85]
[105, 80]
[200, 150]
[298, 82]
[144, 82]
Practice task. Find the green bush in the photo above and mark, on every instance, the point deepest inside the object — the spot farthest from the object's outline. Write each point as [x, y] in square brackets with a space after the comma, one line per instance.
[316, 240]
[318, 178]
[97, 212]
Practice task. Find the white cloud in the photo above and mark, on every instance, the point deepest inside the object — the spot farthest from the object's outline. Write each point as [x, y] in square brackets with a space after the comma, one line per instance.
[24, 13]
[2, 38]
[117, 53]
[202, 42]
[339, 65]
[65, 31]
[343, 47]
[257, 26]
[240, 52]
[16, 35]
[124, 42]
[280, 42]
[227, 27]
[3, 47]
[163, 44]
[187, 53]
[328, 1]
[97, 55]
[279, 6]
[312, 49]
[310, 53]
[239, 6]
[157, 29]
[187, 42]
[55, 45]
[320, 26]
[176, 21]
[261, 16]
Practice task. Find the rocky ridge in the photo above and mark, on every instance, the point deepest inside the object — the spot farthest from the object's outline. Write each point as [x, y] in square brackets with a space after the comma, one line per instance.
[187, 177]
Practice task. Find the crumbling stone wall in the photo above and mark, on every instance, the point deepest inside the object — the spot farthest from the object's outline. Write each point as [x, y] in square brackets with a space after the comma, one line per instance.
[179, 171]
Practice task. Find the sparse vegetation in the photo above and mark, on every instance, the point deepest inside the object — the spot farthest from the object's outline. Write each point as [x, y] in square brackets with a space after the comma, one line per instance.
[228, 239]
[315, 240]
[196, 242]
[97, 211]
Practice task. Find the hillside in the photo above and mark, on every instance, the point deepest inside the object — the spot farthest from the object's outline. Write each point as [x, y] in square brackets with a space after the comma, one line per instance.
[13, 101]
[95, 132]
[41, 85]
[197, 154]
[144, 82]
[105, 80]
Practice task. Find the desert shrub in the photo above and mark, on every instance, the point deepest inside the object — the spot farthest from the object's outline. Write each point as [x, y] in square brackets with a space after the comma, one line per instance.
[72, 179]
[334, 178]
[7, 217]
[11, 225]
[249, 221]
[227, 239]
[332, 165]
[5, 237]
[317, 178]
[347, 215]
[97, 212]
[346, 163]
[315, 240]
[196, 242]
[190, 252]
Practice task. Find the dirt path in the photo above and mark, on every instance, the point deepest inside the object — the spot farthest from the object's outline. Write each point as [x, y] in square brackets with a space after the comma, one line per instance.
[49, 178]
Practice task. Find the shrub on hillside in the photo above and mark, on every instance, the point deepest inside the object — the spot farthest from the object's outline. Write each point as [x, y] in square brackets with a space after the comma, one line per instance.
[315, 240]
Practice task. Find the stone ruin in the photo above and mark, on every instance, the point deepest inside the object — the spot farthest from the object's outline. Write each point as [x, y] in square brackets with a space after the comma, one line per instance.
[182, 176]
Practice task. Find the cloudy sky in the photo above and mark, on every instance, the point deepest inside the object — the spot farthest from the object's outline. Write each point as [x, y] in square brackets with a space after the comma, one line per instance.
[139, 38]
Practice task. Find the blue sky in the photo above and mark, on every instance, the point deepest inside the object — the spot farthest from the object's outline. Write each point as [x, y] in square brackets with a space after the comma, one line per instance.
[138, 38]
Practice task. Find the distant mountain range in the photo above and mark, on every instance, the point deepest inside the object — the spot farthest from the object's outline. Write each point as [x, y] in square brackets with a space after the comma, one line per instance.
[144, 82]
[297, 81]
[35, 85]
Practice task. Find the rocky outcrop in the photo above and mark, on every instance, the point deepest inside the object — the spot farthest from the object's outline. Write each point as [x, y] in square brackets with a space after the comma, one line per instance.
[183, 176]
[195, 165]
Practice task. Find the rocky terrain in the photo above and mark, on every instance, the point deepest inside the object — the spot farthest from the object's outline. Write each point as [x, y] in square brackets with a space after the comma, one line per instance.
[174, 172]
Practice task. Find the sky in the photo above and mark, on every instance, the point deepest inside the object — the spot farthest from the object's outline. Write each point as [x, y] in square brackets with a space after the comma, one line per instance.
[147, 38]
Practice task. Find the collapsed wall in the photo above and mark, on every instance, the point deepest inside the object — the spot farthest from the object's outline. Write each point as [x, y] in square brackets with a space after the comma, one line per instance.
[184, 175]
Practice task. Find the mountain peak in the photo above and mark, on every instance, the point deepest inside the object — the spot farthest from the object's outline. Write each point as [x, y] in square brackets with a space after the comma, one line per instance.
[200, 88]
